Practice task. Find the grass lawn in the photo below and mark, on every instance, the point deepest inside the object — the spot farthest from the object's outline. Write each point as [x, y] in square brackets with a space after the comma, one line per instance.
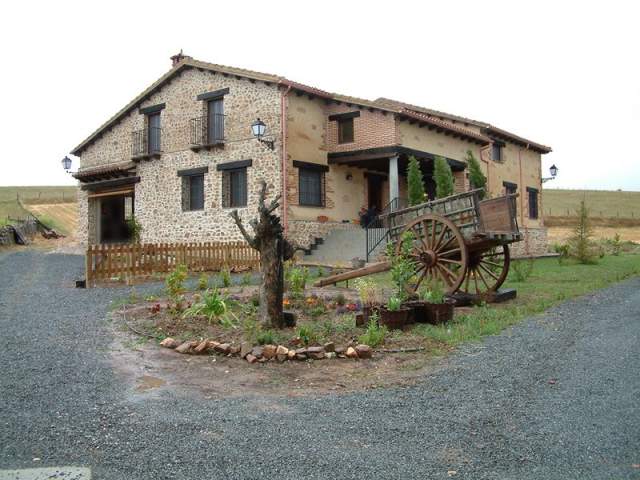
[549, 284]
[44, 194]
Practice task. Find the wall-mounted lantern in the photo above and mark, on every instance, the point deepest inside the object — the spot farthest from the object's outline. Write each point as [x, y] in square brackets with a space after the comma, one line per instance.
[258, 128]
[553, 170]
[66, 163]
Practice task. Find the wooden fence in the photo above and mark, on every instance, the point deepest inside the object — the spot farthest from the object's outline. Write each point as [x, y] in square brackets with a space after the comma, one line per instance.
[106, 262]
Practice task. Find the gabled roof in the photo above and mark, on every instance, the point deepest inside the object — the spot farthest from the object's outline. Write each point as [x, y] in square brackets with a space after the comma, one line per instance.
[407, 111]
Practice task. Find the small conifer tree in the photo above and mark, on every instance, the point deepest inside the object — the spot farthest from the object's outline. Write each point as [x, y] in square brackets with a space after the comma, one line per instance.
[477, 179]
[443, 177]
[582, 247]
[415, 183]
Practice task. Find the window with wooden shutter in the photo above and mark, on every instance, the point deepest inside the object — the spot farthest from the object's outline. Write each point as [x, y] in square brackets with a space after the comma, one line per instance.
[533, 202]
[311, 187]
[345, 130]
[153, 133]
[234, 188]
[193, 192]
[496, 152]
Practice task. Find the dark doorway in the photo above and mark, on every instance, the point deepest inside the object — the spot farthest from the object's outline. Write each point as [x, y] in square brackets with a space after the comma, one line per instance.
[374, 189]
[113, 219]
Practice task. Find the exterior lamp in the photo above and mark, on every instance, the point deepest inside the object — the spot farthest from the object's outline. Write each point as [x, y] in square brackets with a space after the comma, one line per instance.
[66, 163]
[258, 128]
[553, 170]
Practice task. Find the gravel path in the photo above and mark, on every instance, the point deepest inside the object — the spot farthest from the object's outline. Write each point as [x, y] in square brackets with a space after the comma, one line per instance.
[556, 397]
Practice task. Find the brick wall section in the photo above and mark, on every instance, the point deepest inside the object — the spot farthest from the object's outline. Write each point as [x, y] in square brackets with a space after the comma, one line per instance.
[370, 129]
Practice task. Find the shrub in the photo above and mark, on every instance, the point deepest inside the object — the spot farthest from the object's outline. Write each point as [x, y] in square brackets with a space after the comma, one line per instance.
[135, 229]
[340, 299]
[225, 277]
[213, 306]
[203, 282]
[265, 337]
[394, 304]
[443, 177]
[522, 269]
[477, 179]
[175, 282]
[616, 245]
[402, 268]
[415, 183]
[433, 293]
[297, 280]
[582, 246]
[375, 334]
[367, 291]
[562, 249]
[306, 334]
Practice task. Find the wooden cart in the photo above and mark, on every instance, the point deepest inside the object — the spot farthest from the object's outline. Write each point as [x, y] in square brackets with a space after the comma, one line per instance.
[460, 240]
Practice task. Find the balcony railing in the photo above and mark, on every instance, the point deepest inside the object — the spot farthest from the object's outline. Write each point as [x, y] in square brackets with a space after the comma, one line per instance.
[207, 131]
[146, 142]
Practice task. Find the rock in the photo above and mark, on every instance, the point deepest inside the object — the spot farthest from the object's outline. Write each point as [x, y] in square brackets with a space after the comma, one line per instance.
[351, 353]
[296, 341]
[269, 351]
[364, 351]
[185, 347]
[291, 355]
[257, 351]
[251, 358]
[331, 355]
[223, 348]
[213, 344]
[301, 351]
[329, 347]
[315, 349]
[301, 356]
[316, 355]
[234, 350]
[169, 343]
[340, 350]
[201, 347]
[282, 350]
[245, 349]
[281, 357]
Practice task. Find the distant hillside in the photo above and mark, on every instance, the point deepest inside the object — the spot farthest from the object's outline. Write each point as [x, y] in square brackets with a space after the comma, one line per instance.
[53, 194]
[601, 203]
[56, 206]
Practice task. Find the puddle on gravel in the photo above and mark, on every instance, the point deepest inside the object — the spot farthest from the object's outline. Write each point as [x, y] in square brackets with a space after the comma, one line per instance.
[147, 382]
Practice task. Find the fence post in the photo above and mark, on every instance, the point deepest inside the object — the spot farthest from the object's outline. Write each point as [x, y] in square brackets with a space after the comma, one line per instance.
[87, 267]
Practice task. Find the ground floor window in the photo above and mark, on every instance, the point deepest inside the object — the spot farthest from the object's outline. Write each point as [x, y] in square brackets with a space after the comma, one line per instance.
[234, 188]
[193, 192]
[533, 202]
[311, 183]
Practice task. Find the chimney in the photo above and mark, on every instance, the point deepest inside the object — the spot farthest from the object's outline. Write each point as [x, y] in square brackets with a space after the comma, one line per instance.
[175, 59]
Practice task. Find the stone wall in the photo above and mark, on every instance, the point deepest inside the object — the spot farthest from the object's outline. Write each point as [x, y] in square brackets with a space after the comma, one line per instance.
[535, 243]
[303, 232]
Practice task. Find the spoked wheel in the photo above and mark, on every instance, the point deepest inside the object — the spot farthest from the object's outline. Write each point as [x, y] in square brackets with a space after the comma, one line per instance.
[439, 251]
[487, 270]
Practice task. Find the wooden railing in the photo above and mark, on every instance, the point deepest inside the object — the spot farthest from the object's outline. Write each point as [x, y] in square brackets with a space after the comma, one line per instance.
[125, 261]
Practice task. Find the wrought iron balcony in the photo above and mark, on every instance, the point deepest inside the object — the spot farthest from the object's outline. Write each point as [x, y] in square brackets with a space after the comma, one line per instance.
[146, 143]
[207, 131]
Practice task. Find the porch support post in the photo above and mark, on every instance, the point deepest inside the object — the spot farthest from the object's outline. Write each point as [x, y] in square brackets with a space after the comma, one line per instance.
[394, 185]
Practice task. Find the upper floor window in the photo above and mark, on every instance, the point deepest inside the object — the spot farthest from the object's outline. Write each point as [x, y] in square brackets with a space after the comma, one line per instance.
[533, 202]
[311, 183]
[207, 130]
[193, 188]
[510, 188]
[154, 133]
[345, 130]
[496, 152]
[148, 141]
[215, 121]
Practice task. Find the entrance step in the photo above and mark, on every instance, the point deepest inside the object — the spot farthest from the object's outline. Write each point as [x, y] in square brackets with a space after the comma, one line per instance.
[340, 247]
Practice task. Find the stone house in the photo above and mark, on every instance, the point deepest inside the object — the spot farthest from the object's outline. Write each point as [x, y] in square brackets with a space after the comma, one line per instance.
[181, 156]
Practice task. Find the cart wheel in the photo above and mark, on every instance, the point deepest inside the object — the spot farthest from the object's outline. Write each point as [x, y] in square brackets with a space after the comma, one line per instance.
[439, 251]
[487, 270]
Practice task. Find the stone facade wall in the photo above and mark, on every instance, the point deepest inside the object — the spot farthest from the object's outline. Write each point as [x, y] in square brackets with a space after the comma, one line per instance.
[158, 195]
[303, 232]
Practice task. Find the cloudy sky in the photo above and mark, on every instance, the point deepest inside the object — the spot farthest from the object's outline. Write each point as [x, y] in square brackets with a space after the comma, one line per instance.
[566, 74]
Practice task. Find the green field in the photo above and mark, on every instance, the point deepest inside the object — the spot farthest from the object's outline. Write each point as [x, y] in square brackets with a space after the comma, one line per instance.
[601, 203]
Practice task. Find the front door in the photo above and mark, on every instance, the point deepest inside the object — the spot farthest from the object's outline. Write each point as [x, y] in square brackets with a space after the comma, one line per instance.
[113, 219]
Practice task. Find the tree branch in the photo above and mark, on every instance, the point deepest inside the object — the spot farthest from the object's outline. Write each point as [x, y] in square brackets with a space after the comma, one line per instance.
[236, 218]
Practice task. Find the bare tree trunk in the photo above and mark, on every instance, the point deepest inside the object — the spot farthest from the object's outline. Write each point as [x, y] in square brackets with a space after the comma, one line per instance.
[274, 249]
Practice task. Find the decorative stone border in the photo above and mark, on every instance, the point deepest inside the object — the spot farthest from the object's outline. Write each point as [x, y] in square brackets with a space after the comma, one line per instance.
[264, 353]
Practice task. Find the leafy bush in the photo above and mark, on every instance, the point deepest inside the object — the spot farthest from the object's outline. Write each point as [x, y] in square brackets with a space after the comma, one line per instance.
[477, 179]
[297, 280]
[443, 177]
[562, 249]
[415, 183]
[340, 299]
[522, 269]
[375, 334]
[616, 245]
[225, 277]
[213, 306]
[394, 304]
[433, 293]
[306, 334]
[175, 282]
[203, 282]
[265, 337]
[135, 229]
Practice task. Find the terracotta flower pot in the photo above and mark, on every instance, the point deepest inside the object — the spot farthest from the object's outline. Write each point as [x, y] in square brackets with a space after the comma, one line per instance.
[396, 319]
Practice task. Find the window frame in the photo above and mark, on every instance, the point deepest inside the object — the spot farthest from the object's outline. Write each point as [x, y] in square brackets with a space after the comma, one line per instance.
[533, 207]
[228, 200]
[153, 138]
[510, 188]
[342, 122]
[496, 151]
[321, 171]
[187, 177]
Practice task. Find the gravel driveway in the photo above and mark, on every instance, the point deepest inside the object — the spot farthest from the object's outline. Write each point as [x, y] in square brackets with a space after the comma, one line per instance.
[556, 397]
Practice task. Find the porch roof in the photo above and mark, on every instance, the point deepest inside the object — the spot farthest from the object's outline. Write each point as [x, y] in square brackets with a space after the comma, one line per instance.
[376, 159]
[105, 172]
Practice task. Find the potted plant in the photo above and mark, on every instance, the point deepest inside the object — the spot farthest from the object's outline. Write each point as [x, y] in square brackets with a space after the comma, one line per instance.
[436, 308]
[394, 315]
[403, 270]
[370, 299]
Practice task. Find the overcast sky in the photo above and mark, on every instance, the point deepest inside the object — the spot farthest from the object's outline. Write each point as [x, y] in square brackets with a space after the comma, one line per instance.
[565, 74]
